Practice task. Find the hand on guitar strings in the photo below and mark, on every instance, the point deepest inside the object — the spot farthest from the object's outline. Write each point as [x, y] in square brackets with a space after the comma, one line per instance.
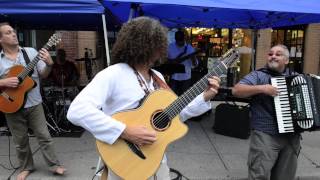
[10, 82]
[45, 57]
[139, 135]
[213, 86]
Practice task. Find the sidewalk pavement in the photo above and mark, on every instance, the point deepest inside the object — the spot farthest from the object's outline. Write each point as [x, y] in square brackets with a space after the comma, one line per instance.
[200, 155]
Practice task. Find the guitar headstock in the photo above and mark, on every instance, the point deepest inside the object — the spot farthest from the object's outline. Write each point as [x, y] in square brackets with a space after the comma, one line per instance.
[230, 57]
[54, 40]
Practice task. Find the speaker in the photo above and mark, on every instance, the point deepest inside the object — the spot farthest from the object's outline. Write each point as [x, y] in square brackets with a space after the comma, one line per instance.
[232, 120]
[2, 120]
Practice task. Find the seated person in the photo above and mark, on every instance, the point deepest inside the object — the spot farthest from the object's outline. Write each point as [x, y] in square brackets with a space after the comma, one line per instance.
[64, 75]
[64, 72]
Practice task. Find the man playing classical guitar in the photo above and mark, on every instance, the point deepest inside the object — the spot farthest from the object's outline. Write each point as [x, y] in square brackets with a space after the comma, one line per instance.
[121, 87]
[31, 115]
[177, 51]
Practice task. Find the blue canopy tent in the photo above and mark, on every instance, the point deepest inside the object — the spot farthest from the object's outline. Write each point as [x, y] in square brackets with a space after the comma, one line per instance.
[55, 14]
[251, 14]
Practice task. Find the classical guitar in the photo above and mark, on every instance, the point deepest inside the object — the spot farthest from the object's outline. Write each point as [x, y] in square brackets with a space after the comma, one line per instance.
[159, 112]
[12, 99]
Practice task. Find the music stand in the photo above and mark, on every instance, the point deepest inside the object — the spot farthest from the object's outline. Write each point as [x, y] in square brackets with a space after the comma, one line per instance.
[88, 63]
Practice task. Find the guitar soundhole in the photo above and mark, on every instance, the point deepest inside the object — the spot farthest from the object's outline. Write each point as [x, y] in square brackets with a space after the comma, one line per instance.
[160, 121]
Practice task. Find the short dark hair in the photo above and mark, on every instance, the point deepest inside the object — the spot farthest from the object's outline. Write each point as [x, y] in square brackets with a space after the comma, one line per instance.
[179, 35]
[138, 40]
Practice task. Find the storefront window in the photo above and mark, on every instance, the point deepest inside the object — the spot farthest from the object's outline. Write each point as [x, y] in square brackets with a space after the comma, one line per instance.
[293, 38]
[216, 42]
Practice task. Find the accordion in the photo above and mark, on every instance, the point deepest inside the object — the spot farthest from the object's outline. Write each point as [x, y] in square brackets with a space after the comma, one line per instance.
[298, 103]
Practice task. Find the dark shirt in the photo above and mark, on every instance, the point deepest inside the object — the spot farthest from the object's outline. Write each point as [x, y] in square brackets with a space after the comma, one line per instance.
[263, 115]
[66, 73]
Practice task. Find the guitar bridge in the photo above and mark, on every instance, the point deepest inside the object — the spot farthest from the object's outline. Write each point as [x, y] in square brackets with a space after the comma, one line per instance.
[136, 149]
[5, 95]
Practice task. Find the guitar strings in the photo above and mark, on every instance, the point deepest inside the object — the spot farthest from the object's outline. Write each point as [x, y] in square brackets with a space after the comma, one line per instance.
[52, 41]
[173, 109]
[29, 67]
[178, 105]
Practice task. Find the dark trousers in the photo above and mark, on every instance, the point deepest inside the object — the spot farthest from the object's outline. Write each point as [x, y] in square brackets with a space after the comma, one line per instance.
[34, 119]
[179, 87]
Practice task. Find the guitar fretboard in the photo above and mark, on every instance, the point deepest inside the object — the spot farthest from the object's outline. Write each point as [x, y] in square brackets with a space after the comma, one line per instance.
[219, 68]
[31, 65]
[54, 39]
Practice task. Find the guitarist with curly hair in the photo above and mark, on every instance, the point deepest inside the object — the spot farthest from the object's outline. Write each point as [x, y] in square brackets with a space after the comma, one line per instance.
[132, 143]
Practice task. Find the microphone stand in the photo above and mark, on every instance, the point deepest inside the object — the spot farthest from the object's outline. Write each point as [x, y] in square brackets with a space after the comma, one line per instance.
[63, 115]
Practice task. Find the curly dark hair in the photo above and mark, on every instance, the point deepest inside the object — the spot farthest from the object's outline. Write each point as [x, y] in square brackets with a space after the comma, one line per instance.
[138, 40]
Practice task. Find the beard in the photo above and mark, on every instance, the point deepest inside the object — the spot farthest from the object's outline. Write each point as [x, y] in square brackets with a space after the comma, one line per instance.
[274, 66]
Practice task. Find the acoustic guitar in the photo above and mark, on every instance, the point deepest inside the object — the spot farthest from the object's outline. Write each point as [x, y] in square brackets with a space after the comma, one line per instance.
[159, 111]
[12, 99]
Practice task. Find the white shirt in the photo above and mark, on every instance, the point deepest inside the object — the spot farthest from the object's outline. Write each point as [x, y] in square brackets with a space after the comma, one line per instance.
[173, 51]
[115, 89]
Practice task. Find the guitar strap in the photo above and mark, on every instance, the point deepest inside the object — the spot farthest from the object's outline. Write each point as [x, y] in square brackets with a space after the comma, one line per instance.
[26, 58]
[159, 81]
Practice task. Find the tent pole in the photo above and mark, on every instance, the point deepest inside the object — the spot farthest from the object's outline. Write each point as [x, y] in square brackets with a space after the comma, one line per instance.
[106, 43]
[254, 47]
[34, 39]
[133, 10]
[131, 13]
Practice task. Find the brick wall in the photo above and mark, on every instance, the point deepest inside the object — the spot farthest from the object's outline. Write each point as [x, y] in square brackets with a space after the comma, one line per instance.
[70, 44]
[311, 49]
[263, 47]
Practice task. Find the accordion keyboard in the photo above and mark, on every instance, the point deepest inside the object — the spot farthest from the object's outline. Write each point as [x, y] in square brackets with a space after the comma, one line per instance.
[297, 103]
[282, 105]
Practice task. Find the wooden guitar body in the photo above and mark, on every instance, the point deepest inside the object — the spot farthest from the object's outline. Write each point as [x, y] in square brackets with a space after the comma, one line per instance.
[122, 160]
[12, 99]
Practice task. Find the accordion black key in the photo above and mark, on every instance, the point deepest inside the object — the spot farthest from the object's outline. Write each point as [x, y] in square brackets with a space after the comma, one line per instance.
[298, 103]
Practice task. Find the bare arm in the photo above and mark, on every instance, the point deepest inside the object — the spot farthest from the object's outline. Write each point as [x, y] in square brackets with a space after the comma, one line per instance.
[243, 90]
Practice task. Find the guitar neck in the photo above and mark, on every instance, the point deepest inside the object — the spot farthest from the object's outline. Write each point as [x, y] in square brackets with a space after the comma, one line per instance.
[31, 65]
[176, 107]
[219, 68]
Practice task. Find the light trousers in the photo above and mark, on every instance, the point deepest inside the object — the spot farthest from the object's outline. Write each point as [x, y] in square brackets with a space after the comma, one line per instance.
[32, 118]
